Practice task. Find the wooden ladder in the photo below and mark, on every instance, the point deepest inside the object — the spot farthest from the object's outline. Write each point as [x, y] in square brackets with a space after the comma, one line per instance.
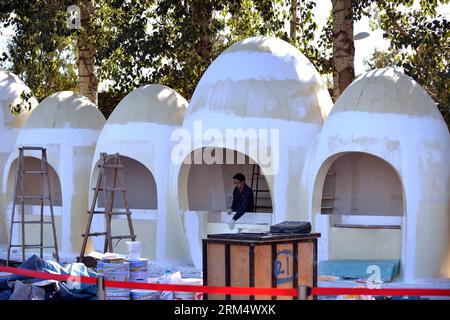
[20, 198]
[256, 173]
[108, 198]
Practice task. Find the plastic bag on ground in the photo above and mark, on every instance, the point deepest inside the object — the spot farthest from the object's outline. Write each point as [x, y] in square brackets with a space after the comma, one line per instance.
[173, 278]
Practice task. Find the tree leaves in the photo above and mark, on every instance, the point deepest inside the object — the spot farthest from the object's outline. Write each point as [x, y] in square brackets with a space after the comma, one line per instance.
[172, 42]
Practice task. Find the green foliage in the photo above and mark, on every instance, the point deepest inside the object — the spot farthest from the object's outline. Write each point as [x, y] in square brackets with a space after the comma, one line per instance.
[379, 59]
[172, 42]
[41, 51]
[420, 44]
[320, 53]
[108, 100]
[24, 103]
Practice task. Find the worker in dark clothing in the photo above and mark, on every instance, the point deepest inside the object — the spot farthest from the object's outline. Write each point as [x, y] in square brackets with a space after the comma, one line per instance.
[242, 199]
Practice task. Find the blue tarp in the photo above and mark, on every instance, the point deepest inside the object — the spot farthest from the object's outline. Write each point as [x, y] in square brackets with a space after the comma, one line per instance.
[55, 290]
[358, 269]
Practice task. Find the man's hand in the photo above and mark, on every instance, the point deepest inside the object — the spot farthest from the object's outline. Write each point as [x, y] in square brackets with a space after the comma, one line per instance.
[230, 211]
[231, 224]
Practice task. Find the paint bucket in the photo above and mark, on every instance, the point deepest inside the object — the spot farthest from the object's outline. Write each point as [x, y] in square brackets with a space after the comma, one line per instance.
[116, 270]
[117, 294]
[138, 270]
[184, 295]
[144, 294]
[134, 249]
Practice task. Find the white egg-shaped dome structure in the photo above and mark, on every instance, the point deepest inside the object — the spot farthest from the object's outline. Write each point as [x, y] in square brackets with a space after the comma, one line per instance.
[140, 129]
[380, 176]
[13, 95]
[67, 124]
[257, 108]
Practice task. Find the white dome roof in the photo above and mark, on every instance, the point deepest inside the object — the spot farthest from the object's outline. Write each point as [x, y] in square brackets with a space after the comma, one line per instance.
[11, 89]
[263, 77]
[386, 91]
[151, 103]
[66, 109]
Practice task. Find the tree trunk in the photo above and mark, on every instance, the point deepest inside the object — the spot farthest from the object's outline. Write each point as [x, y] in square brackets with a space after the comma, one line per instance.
[293, 23]
[343, 46]
[87, 79]
[201, 15]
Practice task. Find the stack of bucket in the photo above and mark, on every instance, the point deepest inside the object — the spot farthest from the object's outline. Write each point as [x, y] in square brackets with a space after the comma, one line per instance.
[116, 269]
[133, 269]
[139, 271]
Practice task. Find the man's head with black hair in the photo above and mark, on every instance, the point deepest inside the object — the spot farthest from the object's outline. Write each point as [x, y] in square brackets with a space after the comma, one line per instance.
[239, 181]
[239, 176]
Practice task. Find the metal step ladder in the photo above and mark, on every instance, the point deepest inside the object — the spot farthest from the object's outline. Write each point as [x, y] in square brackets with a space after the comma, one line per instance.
[118, 185]
[20, 198]
[256, 173]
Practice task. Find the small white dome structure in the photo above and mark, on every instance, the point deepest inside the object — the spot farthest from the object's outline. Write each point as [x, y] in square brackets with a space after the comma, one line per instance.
[139, 129]
[11, 92]
[262, 90]
[68, 125]
[380, 176]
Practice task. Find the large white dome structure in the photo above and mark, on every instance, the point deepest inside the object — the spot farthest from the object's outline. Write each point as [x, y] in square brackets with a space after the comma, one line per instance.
[140, 129]
[261, 101]
[379, 176]
[68, 125]
[12, 90]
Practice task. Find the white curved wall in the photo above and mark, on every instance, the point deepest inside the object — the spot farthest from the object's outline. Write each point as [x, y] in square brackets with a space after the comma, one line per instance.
[416, 143]
[265, 90]
[11, 88]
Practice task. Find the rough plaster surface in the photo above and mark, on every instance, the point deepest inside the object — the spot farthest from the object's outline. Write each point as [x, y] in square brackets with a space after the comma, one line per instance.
[11, 88]
[68, 125]
[150, 103]
[263, 77]
[140, 128]
[66, 109]
[258, 83]
[387, 115]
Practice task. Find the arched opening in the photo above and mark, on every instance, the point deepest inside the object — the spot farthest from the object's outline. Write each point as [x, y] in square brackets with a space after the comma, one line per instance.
[32, 208]
[210, 186]
[205, 193]
[141, 195]
[32, 185]
[362, 190]
[139, 183]
[359, 207]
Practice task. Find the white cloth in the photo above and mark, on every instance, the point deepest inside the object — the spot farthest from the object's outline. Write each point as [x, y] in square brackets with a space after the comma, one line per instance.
[231, 224]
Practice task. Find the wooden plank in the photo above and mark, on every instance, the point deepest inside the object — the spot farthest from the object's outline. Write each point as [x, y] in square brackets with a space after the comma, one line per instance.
[240, 270]
[283, 267]
[306, 264]
[263, 269]
[216, 268]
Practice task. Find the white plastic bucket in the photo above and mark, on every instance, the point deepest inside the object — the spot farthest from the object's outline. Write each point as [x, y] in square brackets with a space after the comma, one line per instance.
[139, 270]
[134, 249]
